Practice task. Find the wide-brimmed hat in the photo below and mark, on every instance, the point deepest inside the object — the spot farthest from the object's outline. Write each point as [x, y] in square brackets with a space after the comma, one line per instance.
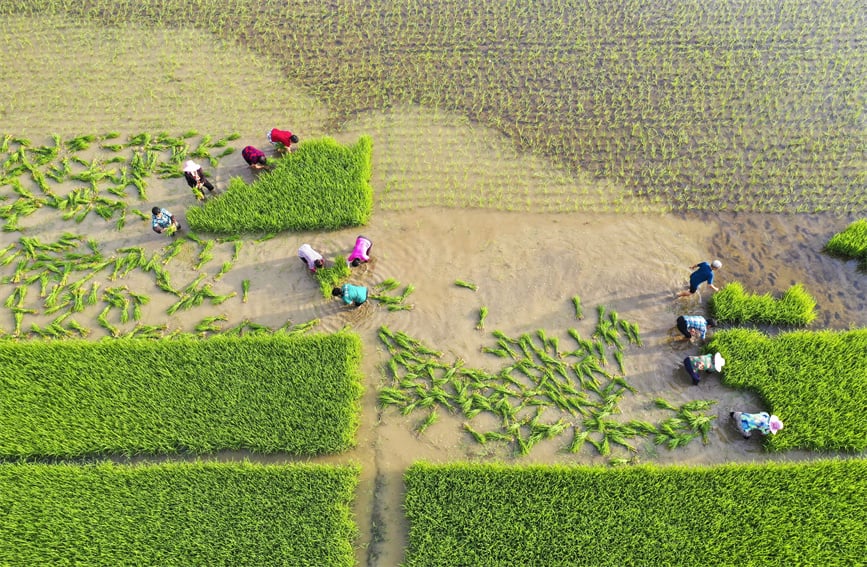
[718, 362]
[775, 424]
[190, 166]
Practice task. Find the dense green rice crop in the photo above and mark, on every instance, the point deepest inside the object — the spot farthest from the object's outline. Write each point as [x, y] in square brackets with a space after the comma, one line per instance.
[816, 382]
[264, 393]
[851, 243]
[732, 304]
[177, 514]
[321, 185]
[771, 514]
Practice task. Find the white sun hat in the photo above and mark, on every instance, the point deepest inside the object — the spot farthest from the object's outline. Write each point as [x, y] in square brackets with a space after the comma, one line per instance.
[716, 264]
[718, 362]
[190, 166]
[775, 424]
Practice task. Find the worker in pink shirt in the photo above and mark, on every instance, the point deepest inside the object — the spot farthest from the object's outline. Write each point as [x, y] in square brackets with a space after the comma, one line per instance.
[361, 251]
[282, 139]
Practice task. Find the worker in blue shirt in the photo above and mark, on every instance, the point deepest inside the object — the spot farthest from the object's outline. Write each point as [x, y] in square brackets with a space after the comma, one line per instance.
[703, 273]
[161, 219]
[692, 326]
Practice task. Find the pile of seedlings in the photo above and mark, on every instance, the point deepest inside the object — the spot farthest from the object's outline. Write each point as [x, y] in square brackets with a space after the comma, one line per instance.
[545, 389]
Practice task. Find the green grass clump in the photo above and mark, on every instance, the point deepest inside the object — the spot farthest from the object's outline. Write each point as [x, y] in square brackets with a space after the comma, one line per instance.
[321, 186]
[732, 304]
[804, 514]
[264, 393]
[332, 275]
[815, 381]
[177, 514]
[851, 243]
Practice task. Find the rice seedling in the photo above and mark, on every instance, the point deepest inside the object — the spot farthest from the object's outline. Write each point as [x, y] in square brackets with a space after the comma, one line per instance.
[468, 285]
[392, 302]
[300, 328]
[431, 418]
[322, 185]
[546, 381]
[245, 290]
[579, 310]
[387, 285]
[191, 511]
[444, 499]
[483, 314]
[332, 275]
[732, 304]
[209, 370]
[205, 255]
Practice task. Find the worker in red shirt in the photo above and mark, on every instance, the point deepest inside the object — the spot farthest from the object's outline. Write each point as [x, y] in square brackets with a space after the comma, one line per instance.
[282, 138]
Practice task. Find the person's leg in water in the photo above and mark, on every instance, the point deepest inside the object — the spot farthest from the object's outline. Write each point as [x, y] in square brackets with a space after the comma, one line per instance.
[681, 326]
[687, 363]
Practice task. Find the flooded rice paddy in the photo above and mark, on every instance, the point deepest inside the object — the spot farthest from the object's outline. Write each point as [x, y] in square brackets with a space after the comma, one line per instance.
[527, 267]
[527, 264]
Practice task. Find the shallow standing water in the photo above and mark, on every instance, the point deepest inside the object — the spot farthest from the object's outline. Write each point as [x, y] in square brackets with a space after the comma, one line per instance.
[527, 267]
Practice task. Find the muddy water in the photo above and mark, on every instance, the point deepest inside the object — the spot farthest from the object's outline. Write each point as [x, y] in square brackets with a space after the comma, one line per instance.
[527, 267]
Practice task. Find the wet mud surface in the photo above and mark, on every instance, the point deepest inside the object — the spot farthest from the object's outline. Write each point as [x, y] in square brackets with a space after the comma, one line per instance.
[527, 267]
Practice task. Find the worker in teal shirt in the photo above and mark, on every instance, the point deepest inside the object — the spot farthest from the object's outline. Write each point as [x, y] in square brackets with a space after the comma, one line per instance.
[351, 294]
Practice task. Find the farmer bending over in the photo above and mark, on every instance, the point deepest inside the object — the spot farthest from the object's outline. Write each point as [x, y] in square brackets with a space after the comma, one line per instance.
[282, 139]
[311, 258]
[351, 294]
[709, 362]
[195, 177]
[703, 273]
[761, 422]
[361, 252]
[161, 219]
[692, 326]
[254, 157]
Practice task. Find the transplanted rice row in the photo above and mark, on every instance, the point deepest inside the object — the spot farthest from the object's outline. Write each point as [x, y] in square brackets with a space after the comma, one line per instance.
[734, 105]
[262, 393]
[816, 382]
[177, 514]
[813, 514]
[732, 304]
